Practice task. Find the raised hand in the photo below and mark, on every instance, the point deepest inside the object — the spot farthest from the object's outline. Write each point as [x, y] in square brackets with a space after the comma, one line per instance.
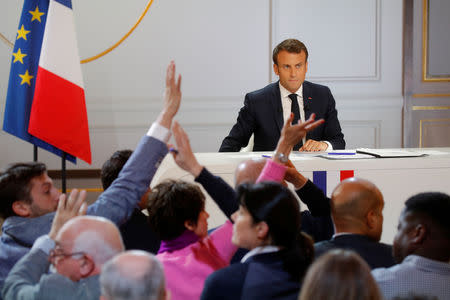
[184, 157]
[293, 176]
[292, 134]
[172, 97]
[74, 206]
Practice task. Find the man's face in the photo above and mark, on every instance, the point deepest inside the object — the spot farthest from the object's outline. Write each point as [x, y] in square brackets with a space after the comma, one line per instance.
[44, 196]
[402, 246]
[291, 68]
[66, 262]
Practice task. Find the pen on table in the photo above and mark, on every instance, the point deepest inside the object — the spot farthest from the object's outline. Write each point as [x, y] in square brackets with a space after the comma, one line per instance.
[341, 153]
[266, 156]
[173, 150]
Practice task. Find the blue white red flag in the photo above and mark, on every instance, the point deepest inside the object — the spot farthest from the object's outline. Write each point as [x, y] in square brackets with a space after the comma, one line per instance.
[22, 77]
[58, 114]
[328, 180]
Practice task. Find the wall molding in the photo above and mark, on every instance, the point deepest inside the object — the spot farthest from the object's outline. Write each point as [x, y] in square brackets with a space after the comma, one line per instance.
[375, 76]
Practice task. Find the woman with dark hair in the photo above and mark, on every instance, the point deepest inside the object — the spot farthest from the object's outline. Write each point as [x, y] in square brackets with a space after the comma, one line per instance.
[268, 224]
[340, 275]
[177, 215]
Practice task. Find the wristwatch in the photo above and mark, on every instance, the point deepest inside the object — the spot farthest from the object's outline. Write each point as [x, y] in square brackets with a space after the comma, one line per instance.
[281, 157]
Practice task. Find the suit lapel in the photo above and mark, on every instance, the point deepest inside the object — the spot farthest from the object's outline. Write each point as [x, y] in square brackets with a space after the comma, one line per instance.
[276, 105]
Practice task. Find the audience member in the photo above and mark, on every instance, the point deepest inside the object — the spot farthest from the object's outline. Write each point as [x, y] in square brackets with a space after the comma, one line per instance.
[339, 275]
[357, 212]
[136, 226]
[177, 215]
[133, 275]
[422, 249]
[28, 197]
[80, 246]
[268, 224]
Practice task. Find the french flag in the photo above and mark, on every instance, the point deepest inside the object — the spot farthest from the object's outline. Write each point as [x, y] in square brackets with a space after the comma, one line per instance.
[58, 113]
[328, 180]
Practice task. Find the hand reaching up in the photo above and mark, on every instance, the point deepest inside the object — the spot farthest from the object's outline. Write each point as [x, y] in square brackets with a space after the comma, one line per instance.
[67, 209]
[291, 134]
[172, 97]
[184, 157]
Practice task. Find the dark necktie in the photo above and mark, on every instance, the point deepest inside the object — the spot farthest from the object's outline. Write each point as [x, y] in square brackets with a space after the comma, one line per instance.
[296, 111]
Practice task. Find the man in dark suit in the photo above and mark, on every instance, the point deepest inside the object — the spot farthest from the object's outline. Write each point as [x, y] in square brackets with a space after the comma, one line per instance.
[357, 213]
[266, 109]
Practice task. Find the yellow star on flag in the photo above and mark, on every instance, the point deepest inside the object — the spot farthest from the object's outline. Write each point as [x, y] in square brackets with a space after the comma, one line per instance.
[22, 33]
[18, 56]
[26, 78]
[36, 14]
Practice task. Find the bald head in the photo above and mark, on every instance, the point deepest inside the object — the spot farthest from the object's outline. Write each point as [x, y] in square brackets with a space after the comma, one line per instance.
[96, 236]
[134, 275]
[249, 170]
[356, 207]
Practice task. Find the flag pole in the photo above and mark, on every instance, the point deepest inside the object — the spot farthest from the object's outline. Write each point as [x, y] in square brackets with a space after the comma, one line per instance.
[63, 172]
[35, 153]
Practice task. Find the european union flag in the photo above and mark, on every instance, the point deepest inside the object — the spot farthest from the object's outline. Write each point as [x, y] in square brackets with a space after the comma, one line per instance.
[22, 77]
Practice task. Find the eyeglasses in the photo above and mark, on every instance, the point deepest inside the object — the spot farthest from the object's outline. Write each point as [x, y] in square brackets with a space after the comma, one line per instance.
[58, 252]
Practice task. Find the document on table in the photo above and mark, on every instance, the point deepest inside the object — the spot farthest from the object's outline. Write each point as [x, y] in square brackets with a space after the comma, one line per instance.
[390, 153]
[344, 155]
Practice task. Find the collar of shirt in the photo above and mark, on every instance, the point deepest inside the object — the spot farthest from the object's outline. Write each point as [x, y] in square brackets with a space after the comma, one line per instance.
[260, 250]
[341, 233]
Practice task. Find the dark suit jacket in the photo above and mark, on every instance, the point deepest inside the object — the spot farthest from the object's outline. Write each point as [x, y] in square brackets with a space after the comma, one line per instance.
[262, 115]
[260, 277]
[377, 255]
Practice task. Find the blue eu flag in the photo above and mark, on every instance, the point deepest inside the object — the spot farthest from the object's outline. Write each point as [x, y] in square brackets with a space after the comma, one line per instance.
[22, 77]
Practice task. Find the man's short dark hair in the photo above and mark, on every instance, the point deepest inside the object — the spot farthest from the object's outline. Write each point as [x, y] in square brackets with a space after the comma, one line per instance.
[291, 46]
[433, 205]
[170, 204]
[112, 167]
[15, 185]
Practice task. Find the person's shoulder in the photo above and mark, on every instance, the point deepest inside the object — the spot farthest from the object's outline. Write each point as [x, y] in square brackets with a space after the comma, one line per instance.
[270, 88]
[322, 247]
[315, 86]
[228, 276]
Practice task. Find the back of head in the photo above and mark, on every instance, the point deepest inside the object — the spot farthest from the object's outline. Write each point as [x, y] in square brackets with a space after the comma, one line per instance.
[170, 204]
[95, 236]
[291, 46]
[15, 185]
[424, 227]
[133, 275]
[112, 167]
[275, 205]
[249, 170]
[339, 275]
[356, 207]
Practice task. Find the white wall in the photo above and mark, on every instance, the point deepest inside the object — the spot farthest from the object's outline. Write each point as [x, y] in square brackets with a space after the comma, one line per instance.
[223, 50]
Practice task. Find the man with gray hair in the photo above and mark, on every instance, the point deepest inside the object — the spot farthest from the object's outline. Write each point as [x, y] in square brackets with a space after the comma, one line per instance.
[133, 275]
[77, 247]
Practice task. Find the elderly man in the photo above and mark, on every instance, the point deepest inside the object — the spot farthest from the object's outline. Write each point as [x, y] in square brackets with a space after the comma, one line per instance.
[77, 249]
[357, 212]
[29, 198]
[133, 275]
[422, 249]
